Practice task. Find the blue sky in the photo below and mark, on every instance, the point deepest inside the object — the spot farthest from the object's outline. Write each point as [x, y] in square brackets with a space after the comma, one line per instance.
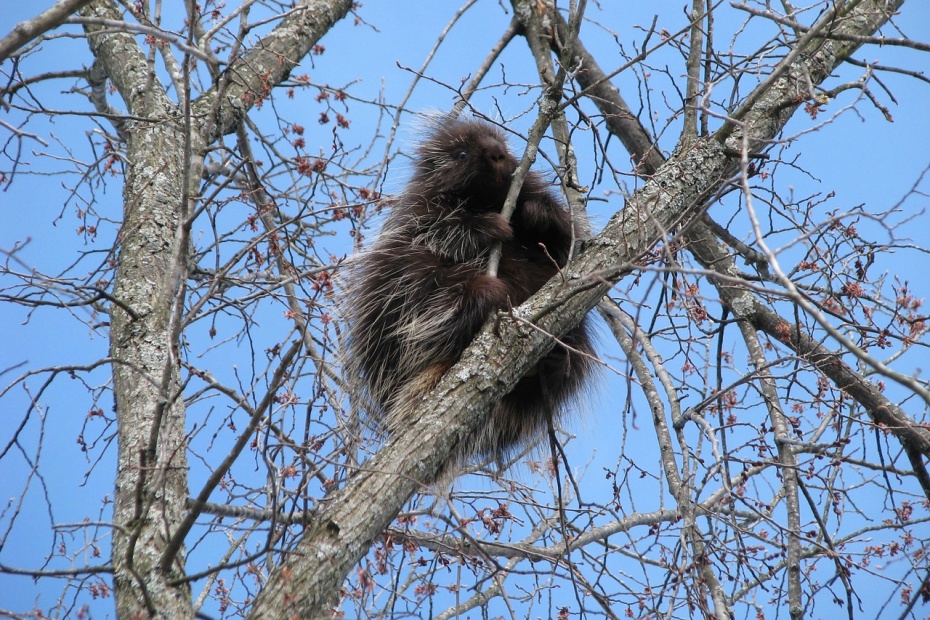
[860, 156]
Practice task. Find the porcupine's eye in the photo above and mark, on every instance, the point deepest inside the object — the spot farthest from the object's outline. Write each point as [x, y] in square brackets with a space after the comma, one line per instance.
[461, 156]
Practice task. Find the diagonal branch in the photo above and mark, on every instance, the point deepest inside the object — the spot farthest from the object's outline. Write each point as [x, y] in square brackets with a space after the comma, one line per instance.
[914, 437]
[622, 122]
[342, 531]
[248, 81]
[28, 30]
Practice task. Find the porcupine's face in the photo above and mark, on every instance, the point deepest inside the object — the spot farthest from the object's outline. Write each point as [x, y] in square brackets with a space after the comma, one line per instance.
[468, 160]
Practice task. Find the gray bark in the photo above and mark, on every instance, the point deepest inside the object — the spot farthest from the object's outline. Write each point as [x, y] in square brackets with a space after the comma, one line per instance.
[26, 31]
[342, 531]
[164, 155]
[151, 479]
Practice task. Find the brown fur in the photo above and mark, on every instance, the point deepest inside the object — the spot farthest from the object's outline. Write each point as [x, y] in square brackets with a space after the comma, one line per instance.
[417, 297]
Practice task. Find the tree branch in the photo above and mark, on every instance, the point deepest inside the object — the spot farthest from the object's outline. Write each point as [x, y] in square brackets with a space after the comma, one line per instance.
[914, 437]
[249, 80]
[28, 30]
[342, 530]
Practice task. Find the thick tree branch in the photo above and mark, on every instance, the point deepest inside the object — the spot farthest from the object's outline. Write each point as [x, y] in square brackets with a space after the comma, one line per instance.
[123, 61]
[354, 516]
[914, 437]
[839, 36]
[28, 30]
[249, 80]
[166, 156]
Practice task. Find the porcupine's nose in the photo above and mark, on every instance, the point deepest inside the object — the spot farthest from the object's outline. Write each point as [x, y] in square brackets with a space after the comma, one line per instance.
[499, 166]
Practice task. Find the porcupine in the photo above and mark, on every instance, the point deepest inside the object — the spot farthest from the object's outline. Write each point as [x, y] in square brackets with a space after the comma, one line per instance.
[421, 292]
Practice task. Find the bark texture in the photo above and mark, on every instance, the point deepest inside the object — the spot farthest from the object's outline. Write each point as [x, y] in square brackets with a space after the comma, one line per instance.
[165, 154]
[342, 531]
[151, 480]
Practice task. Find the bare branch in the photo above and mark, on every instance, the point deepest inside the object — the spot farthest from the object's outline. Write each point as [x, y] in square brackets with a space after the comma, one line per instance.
[490, 366]
[28, 30]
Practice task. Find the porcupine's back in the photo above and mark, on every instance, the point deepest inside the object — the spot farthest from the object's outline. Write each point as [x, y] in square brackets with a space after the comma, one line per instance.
[419, 294]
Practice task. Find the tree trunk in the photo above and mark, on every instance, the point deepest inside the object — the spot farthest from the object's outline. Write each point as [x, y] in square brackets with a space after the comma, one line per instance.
[165, 158]
[151, 481]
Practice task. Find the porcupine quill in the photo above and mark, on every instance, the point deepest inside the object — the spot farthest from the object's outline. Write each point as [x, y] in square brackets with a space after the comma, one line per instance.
[420, 293]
